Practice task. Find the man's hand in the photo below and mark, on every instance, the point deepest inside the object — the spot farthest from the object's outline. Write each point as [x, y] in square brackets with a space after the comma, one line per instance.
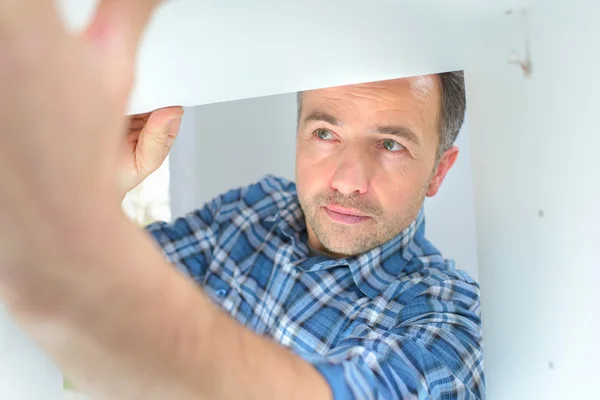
[82, 280]
[61, 111]
[147, 145]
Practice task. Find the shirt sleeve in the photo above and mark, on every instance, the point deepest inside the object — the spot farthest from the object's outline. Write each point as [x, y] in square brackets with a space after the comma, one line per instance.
[433, 352]
[187, 242]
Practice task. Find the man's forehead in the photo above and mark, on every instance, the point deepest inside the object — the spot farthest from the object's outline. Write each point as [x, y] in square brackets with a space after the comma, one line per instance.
[413, 103]
[422, 86]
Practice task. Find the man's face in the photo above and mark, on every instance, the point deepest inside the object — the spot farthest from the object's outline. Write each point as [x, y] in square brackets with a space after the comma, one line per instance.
[365, 160]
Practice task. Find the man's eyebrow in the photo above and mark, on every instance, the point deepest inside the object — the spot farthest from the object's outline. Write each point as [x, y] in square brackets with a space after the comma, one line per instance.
[400, 131]
[321, 116]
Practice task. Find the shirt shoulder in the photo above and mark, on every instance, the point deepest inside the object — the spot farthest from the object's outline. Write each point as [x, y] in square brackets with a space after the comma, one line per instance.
[189, 241]
[251, 203]
[440, 280]
[259, 200]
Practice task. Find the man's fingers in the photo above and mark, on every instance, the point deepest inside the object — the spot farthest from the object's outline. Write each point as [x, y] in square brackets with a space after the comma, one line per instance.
[137, 123]
[30, 31]
[23, 17]
[115, 31]
[119, 24]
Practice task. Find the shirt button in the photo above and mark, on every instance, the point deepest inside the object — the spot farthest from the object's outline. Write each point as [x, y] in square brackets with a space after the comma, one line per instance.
[221, 292]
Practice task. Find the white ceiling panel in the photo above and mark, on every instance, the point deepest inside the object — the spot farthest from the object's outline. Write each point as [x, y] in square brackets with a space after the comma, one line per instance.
[205, 51]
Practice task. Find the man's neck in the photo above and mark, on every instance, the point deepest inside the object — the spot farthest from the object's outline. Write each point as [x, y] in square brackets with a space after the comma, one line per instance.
[314, 252]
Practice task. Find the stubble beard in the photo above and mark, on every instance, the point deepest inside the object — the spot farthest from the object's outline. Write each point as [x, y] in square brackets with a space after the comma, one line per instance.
[350, 240]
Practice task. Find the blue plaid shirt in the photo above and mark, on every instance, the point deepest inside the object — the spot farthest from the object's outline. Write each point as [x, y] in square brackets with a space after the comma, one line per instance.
[397, 322]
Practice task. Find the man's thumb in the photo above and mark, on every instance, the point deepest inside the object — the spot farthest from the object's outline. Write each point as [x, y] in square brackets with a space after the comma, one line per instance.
[157, 137]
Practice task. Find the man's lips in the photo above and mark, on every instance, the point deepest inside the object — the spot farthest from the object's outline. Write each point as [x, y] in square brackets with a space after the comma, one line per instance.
[345, 211]
[345, 215]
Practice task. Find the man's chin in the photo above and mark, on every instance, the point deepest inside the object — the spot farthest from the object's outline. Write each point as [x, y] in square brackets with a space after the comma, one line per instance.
[346, 245]
[343, 240]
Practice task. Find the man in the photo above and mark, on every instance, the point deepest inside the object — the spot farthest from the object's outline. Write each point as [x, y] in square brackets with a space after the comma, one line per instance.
[327, 289]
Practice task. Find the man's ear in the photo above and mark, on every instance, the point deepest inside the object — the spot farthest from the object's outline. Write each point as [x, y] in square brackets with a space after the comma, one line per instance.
[446, 162]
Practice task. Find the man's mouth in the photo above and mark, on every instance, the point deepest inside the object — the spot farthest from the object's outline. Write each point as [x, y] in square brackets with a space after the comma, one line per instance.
[345, 215]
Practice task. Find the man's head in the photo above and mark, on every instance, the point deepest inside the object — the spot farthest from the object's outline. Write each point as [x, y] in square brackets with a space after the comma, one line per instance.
[368, 154]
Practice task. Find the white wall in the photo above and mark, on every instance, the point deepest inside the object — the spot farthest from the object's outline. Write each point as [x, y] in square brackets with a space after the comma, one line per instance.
[25, 373]
[232, 144]
[535, 146]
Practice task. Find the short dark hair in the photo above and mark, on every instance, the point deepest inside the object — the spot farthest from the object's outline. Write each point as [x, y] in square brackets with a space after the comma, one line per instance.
[453, 108]
[452, 112]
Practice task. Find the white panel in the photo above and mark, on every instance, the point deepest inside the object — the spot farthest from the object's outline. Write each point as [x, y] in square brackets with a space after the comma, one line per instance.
[197, 52]
[537, 194]
[227, 145]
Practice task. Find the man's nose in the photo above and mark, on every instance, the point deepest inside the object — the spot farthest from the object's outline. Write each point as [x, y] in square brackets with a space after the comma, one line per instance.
[351, 175]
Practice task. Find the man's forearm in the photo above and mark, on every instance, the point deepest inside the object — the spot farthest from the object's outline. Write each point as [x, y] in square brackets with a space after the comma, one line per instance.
[129, 326]
[248, 366]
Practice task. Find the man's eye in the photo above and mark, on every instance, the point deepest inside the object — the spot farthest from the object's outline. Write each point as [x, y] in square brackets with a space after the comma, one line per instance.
[324, 134]
[392, 145]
